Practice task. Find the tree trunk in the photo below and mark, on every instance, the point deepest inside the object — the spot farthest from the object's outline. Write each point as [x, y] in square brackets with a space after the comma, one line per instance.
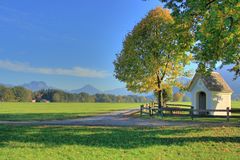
[159, 92]
[159, 99]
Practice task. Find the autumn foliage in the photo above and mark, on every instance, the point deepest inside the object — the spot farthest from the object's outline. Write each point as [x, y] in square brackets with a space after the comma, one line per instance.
[153, 54]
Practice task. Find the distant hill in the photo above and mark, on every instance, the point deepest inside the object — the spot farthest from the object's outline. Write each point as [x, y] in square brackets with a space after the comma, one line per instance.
[119, 91]
[87, 89]
[123, 91]
[36, 85]
[92, 90]
[6, 85]
[228, 77]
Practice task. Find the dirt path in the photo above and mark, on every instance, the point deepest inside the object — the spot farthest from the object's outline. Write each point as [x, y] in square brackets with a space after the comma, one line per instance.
[118, 118]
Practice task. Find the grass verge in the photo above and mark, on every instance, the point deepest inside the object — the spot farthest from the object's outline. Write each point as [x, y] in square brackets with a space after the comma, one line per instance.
[72, 142]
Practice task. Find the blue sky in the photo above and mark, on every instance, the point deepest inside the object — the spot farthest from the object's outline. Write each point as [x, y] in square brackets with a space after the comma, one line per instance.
[66, 43]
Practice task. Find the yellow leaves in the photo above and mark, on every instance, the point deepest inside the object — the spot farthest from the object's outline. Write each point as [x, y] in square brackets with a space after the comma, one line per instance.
[161, 13]
[153, 49]
[154, 20]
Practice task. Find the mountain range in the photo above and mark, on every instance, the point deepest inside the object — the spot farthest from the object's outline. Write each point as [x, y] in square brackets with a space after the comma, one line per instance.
[39, 85]
[92, 90]
[228, 77]
[87, 89]
[36, 85]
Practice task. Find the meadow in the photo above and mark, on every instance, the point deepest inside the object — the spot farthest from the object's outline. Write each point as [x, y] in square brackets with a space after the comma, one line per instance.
[103, 143]
[235, 104]
[118, 143]
[49, 111]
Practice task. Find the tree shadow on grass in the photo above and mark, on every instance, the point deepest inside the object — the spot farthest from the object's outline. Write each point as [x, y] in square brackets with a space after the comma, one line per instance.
[110, 137]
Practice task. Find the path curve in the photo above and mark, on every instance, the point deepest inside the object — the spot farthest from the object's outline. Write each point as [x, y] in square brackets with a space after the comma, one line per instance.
[117, 118]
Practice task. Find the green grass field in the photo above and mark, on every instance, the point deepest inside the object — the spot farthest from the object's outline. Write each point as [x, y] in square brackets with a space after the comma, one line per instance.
[103, 143]
[115, 143]
[46, 111]
[235, 104]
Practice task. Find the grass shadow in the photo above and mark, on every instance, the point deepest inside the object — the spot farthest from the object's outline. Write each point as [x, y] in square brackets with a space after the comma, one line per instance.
[110, 137]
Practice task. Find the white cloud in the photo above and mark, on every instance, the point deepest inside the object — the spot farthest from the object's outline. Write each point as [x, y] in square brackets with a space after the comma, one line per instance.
[75, 71]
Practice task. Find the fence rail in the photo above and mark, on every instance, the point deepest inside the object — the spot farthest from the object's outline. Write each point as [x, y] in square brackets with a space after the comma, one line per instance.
[180, 105]
[151, 109]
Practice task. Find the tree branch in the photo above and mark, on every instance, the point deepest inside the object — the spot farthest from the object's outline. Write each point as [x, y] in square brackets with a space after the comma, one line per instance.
[164, 73]
[209, 3]
[231, 23]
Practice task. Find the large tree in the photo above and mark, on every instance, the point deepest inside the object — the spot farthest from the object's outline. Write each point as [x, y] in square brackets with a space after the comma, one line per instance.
[215, 25]
[153, 54]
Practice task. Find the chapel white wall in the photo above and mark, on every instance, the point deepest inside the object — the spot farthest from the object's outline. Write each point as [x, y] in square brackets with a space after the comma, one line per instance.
[221, 101]
[214, 100]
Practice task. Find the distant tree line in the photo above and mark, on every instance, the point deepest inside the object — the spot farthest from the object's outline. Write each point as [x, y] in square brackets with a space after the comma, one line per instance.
[54, 95]
[15, 94]
[20, 94]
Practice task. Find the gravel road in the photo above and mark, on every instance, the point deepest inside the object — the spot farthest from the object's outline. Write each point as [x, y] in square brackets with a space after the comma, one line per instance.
[117, 118]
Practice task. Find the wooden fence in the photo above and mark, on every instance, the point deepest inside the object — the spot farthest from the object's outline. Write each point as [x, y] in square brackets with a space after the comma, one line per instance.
[185, 110]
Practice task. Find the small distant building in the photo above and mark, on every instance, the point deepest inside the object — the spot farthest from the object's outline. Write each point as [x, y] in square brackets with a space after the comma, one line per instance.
[34, 101]
[45, 101]
[210, 92]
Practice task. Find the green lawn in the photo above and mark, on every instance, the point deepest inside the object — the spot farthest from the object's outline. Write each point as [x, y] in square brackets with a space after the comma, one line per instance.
[235, 104]
[103, 143]
[44, 111]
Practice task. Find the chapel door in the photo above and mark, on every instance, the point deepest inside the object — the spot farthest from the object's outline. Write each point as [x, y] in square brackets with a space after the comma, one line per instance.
[202, 103]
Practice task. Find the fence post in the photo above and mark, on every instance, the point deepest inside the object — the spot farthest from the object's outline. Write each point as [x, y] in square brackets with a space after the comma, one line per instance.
[141, 110]
[191, 112]
[228, 114]
[149, 109]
